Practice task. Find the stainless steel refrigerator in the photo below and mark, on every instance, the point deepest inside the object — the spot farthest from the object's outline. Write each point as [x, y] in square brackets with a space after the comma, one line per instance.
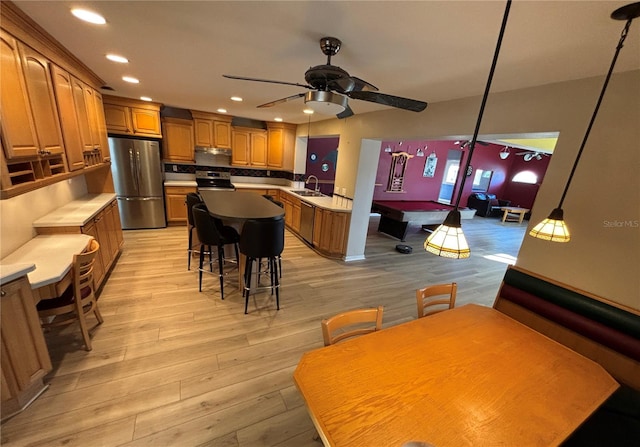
[136, 166]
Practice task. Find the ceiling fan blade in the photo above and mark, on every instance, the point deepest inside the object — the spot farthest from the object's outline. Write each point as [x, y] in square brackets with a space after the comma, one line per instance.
[243, 78]
[362, 85]
[388, 100]
[346, 113]
[280, 101]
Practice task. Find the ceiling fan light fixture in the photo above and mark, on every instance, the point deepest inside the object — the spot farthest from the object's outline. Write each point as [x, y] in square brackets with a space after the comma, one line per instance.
[325, 103]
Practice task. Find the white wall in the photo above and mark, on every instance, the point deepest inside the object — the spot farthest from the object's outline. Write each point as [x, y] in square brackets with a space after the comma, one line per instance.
[17, 213]
[601, 258]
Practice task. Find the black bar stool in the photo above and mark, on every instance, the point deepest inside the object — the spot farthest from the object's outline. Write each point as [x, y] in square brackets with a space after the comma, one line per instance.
[262, 239]
[281, 205]
[212, 232]
[192, 199]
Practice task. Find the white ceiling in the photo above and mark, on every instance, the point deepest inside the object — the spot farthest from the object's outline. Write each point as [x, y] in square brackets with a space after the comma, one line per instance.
[427, 50]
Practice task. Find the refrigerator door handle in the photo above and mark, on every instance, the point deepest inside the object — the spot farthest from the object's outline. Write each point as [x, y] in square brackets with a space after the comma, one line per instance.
[132, 166]
[138, 173]
[137, 199]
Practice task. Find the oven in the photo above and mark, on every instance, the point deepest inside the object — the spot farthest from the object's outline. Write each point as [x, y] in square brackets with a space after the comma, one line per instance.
[214, 181]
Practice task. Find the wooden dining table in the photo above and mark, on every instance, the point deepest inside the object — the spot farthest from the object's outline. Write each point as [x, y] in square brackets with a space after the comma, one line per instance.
[470, 376]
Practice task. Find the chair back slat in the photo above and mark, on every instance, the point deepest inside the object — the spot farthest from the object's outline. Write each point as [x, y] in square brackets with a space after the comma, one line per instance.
[350, 324]
[436, 298]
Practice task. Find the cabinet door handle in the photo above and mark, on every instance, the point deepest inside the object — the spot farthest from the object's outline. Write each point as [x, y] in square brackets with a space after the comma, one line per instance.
[3, 293]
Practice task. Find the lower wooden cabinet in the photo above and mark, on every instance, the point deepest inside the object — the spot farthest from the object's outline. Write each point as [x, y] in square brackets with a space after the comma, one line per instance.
[330, 231]
[175, 197]
[25, 358]
[106, 229]
[330, 228]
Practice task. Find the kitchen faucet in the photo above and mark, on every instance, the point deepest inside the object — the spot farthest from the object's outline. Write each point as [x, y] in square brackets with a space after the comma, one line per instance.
[309, 178]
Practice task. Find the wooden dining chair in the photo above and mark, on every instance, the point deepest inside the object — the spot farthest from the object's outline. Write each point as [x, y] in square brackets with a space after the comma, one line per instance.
[432, 299]
[78, 299]
[350, 324]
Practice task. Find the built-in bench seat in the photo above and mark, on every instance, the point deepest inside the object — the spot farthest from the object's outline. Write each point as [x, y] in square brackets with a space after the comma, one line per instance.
[585, 323]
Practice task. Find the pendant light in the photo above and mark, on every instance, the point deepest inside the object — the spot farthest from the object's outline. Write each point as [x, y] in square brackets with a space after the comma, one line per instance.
[553, 227]
[448, 239]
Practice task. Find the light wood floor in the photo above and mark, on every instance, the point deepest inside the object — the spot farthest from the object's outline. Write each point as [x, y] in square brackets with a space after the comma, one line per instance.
[174, 367]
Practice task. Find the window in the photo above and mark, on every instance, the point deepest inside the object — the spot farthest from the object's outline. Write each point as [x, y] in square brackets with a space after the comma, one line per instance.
[525, 177]
[481, 180]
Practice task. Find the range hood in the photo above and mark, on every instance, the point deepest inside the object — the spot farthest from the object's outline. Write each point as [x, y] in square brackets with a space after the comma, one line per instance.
[213, 150]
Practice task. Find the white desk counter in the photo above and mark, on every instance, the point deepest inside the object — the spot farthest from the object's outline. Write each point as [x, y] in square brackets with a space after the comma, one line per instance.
[52, 256]
[9, 272]
[77, 212]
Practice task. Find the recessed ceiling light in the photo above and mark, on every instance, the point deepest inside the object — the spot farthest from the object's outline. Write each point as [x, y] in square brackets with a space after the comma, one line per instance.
[146, 98]
[308, 111]
[88, 16]
[116, 58]
[278, 119]
[130, 79]
[222, 110]
[236, 98]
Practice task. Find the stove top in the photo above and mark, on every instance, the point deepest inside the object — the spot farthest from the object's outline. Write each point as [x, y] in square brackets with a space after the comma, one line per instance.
[214, 180]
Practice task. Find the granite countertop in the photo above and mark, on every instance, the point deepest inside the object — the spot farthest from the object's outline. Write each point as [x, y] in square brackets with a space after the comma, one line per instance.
[77, 212]
[335, 203]
[9, 272]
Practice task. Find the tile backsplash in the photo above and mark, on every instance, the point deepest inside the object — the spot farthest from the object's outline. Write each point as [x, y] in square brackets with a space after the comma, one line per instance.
[236, 171]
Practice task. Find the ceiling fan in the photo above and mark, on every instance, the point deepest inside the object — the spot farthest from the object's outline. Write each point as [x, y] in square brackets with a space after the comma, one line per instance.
[331, 87]
[528, 156]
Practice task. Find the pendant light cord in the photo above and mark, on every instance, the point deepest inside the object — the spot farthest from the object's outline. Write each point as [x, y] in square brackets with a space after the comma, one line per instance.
[484, 102]
[623, 36]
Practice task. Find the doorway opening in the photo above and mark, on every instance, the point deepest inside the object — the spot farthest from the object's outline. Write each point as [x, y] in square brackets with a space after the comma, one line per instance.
[451, 168]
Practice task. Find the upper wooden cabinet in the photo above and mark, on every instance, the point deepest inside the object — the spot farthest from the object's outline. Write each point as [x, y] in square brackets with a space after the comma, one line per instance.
[178, 139]
[249, 147]
[42, 100]
[63, 85]
[129, 117]
[281, 150]
[50, 110]
[19, 136]
[212, 130]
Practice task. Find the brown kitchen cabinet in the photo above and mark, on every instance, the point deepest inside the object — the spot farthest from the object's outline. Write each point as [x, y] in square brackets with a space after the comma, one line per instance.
[19, 137]
[330, 231]
[105, 227]
[249, 147]
[81, 118]
[281, 148]
[274, 193]
[291, 211]
[178, 140]
[41, 131]
[129, 117]
[31, 137]
[43, 102]
[175, 198]
[212, 130]
[25, 358]
[74, 145]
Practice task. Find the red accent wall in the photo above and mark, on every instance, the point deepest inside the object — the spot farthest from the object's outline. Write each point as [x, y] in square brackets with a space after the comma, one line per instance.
[325, 151]
[487, 157]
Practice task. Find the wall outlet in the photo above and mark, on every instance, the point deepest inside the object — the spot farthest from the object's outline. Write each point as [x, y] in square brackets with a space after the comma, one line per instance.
[268, 173]
[175, 168]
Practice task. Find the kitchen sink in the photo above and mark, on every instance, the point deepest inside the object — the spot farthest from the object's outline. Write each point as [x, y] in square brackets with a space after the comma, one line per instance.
[308, 193]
